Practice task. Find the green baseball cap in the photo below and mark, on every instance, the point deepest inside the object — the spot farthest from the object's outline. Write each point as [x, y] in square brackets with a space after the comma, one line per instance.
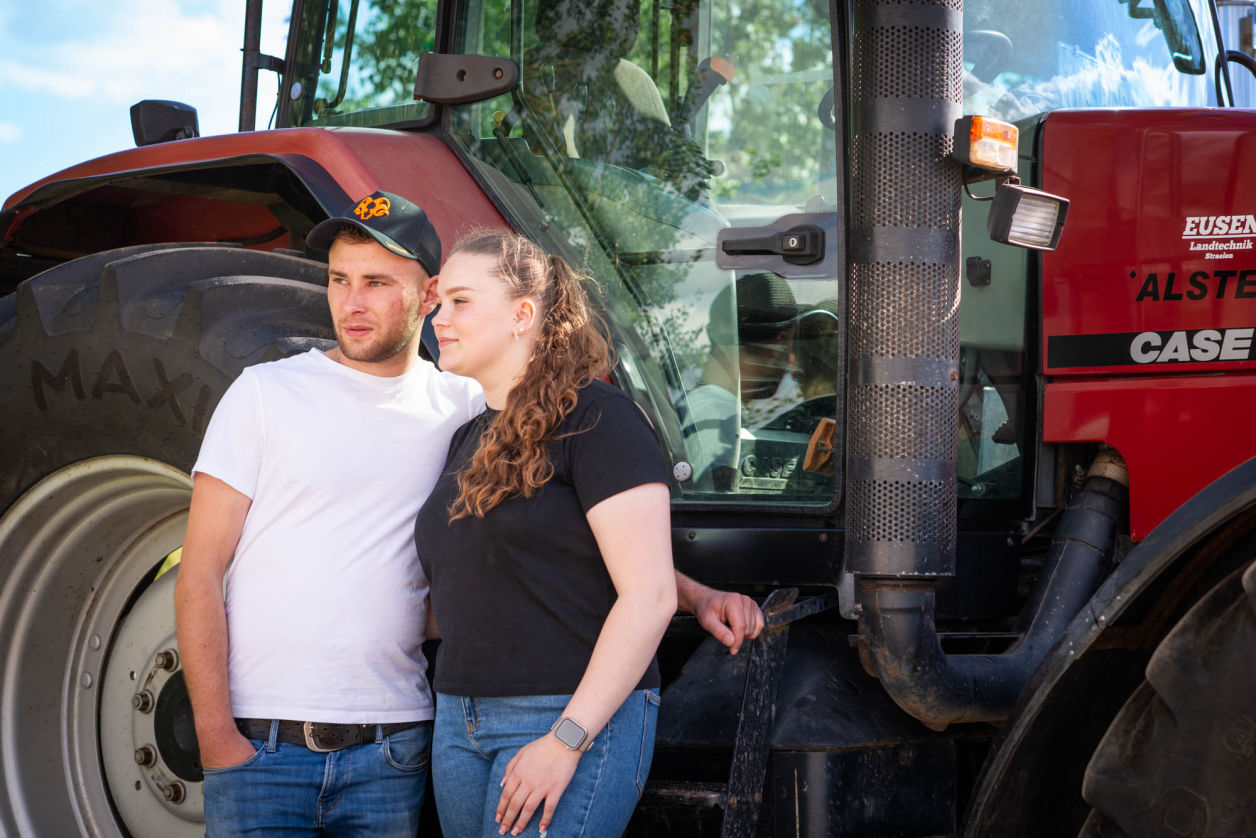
[764, 306]
[399, 225]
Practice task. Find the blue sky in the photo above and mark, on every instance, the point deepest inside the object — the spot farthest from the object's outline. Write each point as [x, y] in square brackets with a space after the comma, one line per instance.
[71, 69]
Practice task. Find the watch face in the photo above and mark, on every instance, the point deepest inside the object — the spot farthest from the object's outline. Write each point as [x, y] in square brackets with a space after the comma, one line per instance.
[570, 734]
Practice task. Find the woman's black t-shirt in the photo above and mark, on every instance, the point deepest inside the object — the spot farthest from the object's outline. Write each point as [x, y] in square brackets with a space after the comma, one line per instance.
[521, 594]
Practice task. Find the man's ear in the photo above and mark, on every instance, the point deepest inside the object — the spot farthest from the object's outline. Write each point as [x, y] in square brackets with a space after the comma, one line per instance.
[428, 288]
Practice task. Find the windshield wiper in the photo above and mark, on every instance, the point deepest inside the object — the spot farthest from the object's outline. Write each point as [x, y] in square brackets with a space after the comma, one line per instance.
[322, 105]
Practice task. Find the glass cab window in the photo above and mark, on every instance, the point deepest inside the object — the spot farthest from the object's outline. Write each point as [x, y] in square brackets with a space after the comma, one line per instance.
[356, 60]
[669, 147]
[1021, 62]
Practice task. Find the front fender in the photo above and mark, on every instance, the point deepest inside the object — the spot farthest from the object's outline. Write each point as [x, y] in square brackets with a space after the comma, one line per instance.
[1033, 774]
[261, 189]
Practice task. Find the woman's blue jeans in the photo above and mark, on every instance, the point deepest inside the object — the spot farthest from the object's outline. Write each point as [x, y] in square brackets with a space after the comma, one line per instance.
[373, 790]
[474, 739]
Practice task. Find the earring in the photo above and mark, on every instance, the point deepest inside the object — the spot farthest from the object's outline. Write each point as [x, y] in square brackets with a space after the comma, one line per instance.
[516, 334]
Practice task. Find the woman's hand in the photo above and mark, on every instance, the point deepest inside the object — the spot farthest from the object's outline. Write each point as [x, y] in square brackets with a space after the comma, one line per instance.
[540, 771]
[730, 617]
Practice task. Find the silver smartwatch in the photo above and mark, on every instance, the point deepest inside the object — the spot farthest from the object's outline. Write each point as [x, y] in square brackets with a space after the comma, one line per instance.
[572, 734]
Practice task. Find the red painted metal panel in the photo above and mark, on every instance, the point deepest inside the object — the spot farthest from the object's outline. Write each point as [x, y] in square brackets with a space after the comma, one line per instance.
[1177, 433]
[1149, 304]
[360, 160]
[1156, 272]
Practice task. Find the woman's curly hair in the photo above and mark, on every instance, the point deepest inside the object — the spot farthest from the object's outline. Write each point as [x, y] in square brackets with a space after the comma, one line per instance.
[571, 351]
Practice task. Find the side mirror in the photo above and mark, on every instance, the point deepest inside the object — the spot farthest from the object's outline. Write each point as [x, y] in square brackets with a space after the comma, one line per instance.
[457, 79]
[160, 121]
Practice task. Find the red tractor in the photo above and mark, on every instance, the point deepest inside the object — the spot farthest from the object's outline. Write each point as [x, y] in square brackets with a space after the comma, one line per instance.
[992, 486]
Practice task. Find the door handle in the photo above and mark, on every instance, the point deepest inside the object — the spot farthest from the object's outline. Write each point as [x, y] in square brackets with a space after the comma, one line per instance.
[800, 245]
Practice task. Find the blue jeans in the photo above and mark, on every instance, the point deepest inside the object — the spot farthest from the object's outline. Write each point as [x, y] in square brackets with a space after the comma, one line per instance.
[284, 789]
[475, 738]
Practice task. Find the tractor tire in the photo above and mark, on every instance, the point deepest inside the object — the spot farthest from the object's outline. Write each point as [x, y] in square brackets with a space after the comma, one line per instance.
[110, 367]
[1180, 757]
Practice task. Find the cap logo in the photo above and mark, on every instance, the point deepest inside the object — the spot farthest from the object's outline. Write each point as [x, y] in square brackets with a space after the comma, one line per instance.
[372, 207]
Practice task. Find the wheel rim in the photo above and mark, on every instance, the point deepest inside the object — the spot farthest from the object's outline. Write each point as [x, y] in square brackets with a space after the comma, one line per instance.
[80, 612]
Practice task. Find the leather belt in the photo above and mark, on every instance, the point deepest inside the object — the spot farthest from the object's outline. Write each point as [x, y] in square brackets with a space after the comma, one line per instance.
[321, 737]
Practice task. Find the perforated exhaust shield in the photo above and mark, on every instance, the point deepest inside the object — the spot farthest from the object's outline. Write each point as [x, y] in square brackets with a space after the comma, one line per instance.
[904, 288]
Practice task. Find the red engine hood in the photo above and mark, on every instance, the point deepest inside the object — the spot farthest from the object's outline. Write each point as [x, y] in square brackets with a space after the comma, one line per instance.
[1149, 304]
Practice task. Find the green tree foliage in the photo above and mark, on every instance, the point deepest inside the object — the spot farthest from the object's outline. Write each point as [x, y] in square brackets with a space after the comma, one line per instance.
[763, 125]
[388, 38]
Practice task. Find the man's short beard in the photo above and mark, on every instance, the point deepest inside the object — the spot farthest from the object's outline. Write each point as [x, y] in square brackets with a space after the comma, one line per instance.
[388, 346]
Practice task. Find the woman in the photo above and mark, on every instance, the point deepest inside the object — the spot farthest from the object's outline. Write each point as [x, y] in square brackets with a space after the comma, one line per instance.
[547, 546]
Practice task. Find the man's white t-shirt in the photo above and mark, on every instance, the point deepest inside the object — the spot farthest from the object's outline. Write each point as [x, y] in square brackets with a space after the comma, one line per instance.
[326, 600]
[711, 420]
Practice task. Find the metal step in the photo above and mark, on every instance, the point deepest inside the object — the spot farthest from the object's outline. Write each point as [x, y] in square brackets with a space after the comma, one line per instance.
[687, 795]
[742, 796]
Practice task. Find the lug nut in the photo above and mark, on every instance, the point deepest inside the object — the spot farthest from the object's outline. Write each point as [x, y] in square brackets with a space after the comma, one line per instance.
[145, 756]
[174, 792]
[168, 659]
[142, 701]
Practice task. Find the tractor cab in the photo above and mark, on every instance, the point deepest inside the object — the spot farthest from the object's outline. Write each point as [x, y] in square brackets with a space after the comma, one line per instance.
[677, 149]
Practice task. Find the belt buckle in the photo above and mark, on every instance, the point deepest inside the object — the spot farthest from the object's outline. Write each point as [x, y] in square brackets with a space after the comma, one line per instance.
[307, 730]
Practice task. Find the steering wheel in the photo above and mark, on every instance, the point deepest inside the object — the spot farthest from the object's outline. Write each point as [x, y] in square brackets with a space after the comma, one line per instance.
[824, 111]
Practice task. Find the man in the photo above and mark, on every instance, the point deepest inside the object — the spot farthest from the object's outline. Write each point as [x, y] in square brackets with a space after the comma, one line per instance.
[750, 327]
[306, 674]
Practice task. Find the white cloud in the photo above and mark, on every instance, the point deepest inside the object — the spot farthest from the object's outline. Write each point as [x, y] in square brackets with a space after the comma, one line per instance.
[58, 83]
[9, 132]
[157, 50]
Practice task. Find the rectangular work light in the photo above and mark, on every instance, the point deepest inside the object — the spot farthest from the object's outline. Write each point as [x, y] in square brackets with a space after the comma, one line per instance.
[1026, 217]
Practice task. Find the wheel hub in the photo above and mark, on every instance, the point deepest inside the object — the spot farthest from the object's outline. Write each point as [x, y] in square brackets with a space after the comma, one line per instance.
[79, 613]
[148, 746]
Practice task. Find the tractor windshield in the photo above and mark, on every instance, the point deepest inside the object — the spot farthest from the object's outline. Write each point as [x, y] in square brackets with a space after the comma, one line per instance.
[1021, 61]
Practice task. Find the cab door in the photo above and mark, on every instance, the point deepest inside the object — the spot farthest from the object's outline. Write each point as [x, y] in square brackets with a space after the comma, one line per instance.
[687, 154]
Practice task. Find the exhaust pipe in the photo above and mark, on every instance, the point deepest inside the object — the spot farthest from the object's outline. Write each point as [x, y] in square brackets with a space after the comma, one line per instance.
[901, 508]
[899, 640]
